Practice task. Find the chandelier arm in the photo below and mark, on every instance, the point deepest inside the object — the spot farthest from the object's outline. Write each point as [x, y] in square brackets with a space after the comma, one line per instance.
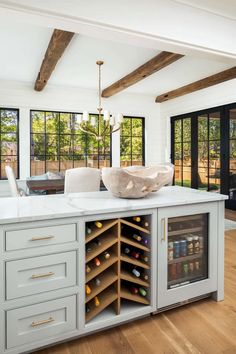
[89, 132]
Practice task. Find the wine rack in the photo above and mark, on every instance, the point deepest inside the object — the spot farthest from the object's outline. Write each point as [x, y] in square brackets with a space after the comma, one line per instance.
[117, 264]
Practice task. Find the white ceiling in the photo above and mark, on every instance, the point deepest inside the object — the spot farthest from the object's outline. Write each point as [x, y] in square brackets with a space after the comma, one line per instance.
[23, 47]
[226, 8]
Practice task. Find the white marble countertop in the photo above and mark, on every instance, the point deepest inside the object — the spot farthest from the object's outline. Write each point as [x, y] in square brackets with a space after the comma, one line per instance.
[33, 208]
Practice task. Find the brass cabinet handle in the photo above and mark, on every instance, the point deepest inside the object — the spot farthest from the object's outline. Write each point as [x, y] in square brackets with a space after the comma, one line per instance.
[44, 275]
[39, 238]
[41, 322]
[163, 239]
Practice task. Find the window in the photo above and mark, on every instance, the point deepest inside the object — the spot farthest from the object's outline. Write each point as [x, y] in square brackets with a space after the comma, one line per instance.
[57, 144]
[9, 138]
[132, 142]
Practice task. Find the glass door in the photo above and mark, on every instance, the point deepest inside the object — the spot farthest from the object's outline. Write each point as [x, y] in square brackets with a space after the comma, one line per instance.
[232, 155]
[187, 249]
[187, 252]
[209, 159]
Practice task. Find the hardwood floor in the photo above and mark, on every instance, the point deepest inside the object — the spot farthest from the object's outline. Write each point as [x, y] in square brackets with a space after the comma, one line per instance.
[203, 327]
[230, 214]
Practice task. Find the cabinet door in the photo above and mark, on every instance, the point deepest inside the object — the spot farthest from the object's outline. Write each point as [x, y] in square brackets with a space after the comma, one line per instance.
[187, 252]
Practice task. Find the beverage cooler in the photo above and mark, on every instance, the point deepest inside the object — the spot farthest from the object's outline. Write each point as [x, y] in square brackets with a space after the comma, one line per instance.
[187, 253]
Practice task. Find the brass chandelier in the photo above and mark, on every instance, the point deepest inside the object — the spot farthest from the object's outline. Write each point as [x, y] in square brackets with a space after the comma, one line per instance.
[112, 122]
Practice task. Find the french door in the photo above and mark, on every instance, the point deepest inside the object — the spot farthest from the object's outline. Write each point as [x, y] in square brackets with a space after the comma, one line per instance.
[203, 150]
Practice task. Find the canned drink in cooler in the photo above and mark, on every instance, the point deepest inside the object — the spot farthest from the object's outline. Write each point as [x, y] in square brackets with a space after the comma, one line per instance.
[170, 251]
[183, 248]
[172, 271]
[197, 266]
[191, 267]
[176, 249]
[185, 269]
[179, 270]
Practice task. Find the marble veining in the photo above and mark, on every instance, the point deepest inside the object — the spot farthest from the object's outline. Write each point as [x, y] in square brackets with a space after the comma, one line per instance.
[77, 204]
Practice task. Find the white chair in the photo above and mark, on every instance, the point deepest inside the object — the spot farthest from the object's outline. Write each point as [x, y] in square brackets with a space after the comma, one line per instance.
[15, 190]
[82, 179]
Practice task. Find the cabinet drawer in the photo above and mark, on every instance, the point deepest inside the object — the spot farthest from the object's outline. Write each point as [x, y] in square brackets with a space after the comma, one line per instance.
[35, 275]
[41, 321]
[41, 236]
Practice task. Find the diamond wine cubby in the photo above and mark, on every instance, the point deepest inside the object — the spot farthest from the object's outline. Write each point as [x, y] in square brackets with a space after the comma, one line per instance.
[117, 265]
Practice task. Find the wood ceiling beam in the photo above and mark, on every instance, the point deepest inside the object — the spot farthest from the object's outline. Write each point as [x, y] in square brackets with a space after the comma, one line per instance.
[56, 47]
[159, 62]
[212, 80]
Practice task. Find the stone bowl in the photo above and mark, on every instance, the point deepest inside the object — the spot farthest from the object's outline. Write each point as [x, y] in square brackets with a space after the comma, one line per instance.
[136, 181]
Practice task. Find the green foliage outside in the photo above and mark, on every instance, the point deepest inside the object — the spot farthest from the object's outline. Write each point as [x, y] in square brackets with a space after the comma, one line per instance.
[9, 128]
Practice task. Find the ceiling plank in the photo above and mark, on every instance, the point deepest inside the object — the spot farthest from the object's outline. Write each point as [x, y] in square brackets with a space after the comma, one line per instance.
[212, 80]
[57, 45]
[159, 62]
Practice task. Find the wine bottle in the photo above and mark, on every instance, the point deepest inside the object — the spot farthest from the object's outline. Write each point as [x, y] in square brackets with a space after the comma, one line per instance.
[133, 290]
[137, 237]
[145, 223]
[88, 230]
[144, 276]
[88, 289]
[87, 308]
[88, 269]
[135, 254]
[107, 255]
[127, 250]
[142, 292]
[137, 218]
[144, 258]
[136, 272]
[144, 240]
[98, 242]
[97, 262]
[98, 224]
[96, 301]
[88, 249]
[97, 281]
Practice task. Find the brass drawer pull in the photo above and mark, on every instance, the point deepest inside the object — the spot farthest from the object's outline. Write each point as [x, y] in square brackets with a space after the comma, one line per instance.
[44, 275]
[42, 322]
[40, 238]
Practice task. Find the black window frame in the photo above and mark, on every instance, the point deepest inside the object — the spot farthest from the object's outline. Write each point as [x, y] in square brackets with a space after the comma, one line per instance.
[131, 136]
[85, 155]
[17, 175]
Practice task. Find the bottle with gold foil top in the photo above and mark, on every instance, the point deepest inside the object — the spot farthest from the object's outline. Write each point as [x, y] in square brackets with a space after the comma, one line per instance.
[98, 224]
[96, 301]
[137, 237]
[88, 289]
[137, 218]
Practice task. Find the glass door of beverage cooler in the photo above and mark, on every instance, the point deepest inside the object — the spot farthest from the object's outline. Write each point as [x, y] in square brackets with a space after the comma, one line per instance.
[187, 249]
[187, 253]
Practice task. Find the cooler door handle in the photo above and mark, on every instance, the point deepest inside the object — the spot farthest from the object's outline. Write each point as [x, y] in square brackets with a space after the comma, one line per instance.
[164, 229]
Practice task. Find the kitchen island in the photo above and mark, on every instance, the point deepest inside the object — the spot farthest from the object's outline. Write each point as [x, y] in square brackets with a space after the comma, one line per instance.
[75, 264]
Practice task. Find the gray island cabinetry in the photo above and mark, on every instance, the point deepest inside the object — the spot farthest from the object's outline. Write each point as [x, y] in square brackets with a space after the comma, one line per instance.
[74, 264]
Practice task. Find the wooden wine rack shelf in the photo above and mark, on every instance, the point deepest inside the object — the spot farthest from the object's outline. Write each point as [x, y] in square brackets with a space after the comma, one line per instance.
[134, 261]
[107, 278]
[125, 275]
[125, 294]
[105, 263]
[107, 241]
[106, 298]
[108, 224]
[130, 242]
[135, 226]
[115, 273]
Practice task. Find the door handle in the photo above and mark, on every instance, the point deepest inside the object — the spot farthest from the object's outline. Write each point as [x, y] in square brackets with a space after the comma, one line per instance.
[164, 231]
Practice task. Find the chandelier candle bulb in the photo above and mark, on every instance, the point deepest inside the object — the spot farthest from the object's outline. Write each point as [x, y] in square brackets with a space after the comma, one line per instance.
[106, 115]
[85, 116]
[93, 121]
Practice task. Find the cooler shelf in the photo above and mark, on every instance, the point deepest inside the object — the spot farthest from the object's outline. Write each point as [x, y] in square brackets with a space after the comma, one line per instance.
[186, 258]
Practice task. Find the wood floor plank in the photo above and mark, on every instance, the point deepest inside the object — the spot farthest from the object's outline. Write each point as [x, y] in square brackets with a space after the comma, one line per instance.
[205, 327]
